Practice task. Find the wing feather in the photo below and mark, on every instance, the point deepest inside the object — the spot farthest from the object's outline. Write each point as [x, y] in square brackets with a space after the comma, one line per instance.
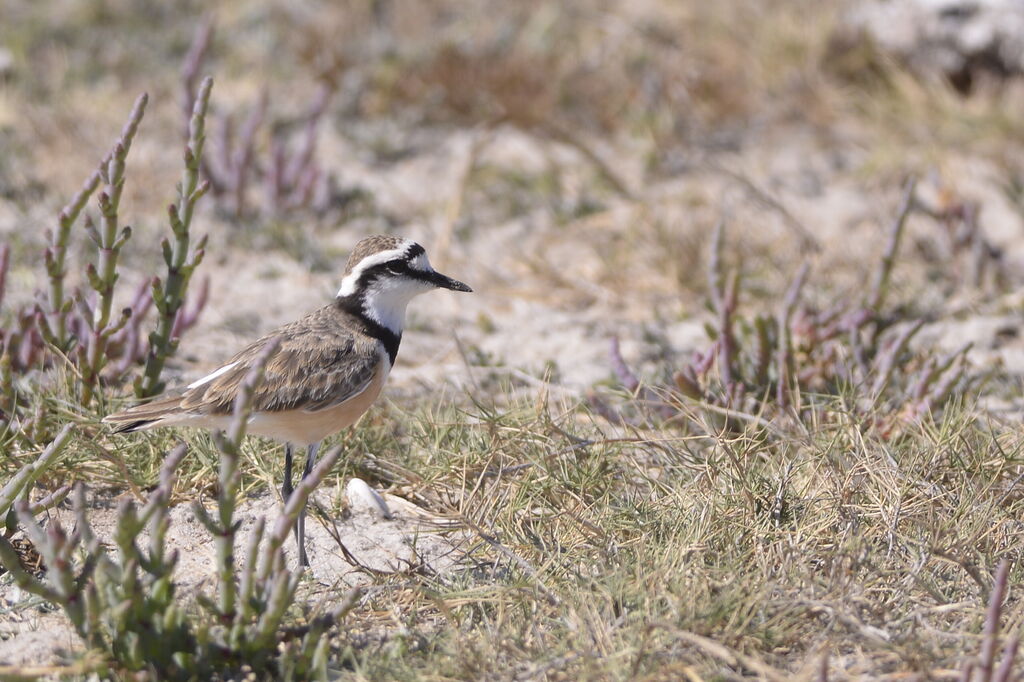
[318, 365]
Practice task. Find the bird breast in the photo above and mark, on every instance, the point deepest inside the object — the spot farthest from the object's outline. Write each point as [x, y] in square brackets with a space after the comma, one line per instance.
[304, 427]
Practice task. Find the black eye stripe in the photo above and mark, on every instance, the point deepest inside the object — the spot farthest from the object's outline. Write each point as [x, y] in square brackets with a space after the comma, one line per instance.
[399, 266]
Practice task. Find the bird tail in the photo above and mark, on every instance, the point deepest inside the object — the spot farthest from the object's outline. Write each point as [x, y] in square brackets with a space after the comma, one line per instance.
[144, 416]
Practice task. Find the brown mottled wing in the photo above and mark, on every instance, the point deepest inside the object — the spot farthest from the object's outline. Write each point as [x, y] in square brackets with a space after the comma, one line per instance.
[319, 364]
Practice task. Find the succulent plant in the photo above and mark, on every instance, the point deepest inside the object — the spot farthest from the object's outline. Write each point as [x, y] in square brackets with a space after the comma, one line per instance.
[123, 601]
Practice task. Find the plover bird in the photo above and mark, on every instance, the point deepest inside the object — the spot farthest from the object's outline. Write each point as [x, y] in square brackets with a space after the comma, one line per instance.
[328, 369]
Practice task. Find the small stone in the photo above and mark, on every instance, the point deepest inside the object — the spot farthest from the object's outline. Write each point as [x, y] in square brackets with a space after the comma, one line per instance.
[961, 39]
[362, 498]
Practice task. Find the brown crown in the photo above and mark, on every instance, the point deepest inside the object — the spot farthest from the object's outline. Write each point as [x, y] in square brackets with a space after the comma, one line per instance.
[369, 246]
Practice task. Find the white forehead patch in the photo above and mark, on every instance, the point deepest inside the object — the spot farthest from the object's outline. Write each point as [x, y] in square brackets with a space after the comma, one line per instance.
[421, 263]
[348, 285]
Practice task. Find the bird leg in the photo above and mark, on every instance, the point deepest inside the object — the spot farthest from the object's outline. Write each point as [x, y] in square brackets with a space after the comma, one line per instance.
[300, 523]
[286, 489]
[311, 452]
[286, 493]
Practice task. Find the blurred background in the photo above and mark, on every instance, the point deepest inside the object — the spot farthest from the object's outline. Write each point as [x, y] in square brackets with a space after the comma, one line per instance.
[629, 186]
[568, 159]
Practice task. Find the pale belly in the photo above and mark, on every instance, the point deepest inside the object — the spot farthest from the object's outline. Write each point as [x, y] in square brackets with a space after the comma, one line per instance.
[302, 427]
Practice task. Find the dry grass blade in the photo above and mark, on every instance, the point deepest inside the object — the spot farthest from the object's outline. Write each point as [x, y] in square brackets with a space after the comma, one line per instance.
[808, 242]
[732, 658]
[992, 621]
[880, 286]
[786, 362]
[819, 487]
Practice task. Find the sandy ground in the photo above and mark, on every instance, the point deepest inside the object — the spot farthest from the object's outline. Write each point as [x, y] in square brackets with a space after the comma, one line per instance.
[346, 549]
[547, 298]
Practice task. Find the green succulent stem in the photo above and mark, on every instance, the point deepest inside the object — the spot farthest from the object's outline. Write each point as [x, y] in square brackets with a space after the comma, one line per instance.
[181, 256]
[55, 257]
[109, 238]
[30, 473]
[122, 600]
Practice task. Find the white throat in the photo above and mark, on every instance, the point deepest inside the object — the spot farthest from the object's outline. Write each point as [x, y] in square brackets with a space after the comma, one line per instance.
[385, 300]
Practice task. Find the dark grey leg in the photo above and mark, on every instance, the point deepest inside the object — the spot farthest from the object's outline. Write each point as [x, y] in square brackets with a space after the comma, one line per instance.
[286, 489]
[300, 524]
[311, 452]
[286, 493]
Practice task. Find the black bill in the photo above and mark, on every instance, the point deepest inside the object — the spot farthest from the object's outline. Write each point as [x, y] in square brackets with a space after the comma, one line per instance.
[446, 282]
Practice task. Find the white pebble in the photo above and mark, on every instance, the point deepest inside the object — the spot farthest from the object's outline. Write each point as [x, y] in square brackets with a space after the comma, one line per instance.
[361, 497]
